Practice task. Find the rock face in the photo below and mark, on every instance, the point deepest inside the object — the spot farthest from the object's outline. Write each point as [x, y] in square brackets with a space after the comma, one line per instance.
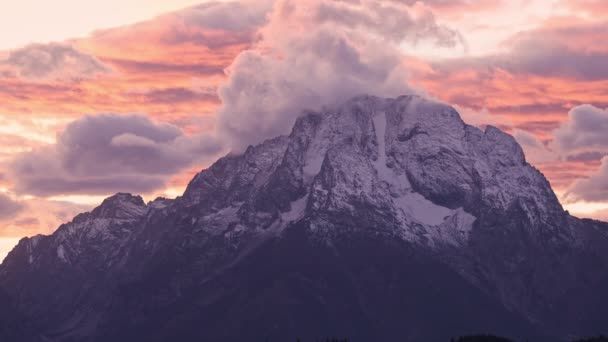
[376, 220]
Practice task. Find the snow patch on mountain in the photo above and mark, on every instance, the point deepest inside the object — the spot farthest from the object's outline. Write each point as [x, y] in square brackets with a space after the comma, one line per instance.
[61, 254]
[384, 172]
[297, 211]
[313, 164]
[423, 210]
[412, 204]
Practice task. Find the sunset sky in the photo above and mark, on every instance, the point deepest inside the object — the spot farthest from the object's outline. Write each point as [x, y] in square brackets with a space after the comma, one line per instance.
[99, 97]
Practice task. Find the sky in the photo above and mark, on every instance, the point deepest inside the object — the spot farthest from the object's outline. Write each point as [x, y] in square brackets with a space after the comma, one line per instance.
[140, 95]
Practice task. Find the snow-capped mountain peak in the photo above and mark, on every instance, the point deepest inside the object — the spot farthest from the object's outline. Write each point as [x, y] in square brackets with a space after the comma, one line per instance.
[405, 176]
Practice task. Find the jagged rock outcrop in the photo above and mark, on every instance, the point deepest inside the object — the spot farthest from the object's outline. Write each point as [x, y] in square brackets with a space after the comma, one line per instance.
[379, 219]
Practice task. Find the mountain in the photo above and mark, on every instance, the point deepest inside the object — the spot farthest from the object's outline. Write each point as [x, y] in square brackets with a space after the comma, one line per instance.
[375, 220]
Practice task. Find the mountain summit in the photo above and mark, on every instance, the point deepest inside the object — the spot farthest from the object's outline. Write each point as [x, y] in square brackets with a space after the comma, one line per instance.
[377, 220]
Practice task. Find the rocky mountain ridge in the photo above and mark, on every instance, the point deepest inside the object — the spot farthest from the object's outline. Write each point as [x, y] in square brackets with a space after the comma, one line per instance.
[364, 204]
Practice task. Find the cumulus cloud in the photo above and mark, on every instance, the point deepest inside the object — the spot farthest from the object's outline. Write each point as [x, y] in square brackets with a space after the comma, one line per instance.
[592, 189]
[582, 138]
[585, 131]
[106, 153]
[9, 208]
[51, 62]
[317, 53]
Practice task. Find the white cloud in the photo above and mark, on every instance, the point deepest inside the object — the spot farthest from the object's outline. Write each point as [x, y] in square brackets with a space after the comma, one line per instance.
[317, 53]
[591, 189]
[107, 153]
[584, 131]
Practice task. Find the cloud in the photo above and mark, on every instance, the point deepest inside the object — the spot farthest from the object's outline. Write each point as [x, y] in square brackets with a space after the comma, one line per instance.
[51, 62]
[584, 131]
[227, 16]
[591, 189]
[586, 156]
[9, 208]
[133, 66]
[27, 222]
[536, 152]
[206, 27]
[560, 48]
[535, 54]
[320, 52]
[593, 7]
[583, 139]
[217, 25]
[106, 153]
[40, 216]
[482, 118]
[177, 95]
[390, 21]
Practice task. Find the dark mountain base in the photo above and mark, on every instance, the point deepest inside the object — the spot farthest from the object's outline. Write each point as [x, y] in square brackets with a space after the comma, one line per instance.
[360, 288]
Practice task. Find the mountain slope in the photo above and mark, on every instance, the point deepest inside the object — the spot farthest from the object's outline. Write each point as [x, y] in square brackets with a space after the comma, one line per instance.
[377, 219]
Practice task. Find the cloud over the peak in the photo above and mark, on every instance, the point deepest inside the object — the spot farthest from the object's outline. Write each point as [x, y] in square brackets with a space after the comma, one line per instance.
[317, 53]
[51, 62]
[106, 153]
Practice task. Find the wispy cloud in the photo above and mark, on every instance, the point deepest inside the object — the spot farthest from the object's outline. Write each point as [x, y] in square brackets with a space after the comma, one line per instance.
[51, 62]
